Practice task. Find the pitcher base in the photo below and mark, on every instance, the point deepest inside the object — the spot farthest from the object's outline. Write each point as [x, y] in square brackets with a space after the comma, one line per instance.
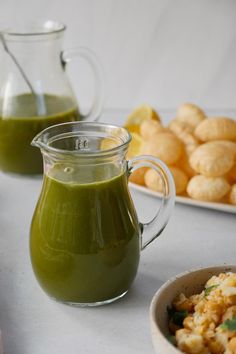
[91, 304]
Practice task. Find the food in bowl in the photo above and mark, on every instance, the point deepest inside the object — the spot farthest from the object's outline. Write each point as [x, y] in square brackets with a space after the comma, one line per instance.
[206, 322]
[196, 311]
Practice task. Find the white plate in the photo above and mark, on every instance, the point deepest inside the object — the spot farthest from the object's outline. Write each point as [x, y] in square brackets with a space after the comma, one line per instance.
[185, 200]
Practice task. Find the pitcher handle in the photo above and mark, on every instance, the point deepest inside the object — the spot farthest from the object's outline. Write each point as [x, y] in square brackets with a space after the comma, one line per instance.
[154, 228]
[90, 57]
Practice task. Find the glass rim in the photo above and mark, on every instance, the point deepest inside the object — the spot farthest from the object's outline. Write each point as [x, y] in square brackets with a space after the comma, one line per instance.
[35, 28]
[39, 142]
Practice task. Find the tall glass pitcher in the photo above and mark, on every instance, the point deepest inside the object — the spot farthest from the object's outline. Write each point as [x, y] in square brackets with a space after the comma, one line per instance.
[35, 91]
[85, 237]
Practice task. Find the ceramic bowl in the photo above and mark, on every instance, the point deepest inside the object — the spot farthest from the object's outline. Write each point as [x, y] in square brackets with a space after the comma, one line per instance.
[190, 282]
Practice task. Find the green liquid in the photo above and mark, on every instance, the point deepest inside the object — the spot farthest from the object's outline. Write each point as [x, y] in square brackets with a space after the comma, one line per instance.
[21, 123]
[85, 239]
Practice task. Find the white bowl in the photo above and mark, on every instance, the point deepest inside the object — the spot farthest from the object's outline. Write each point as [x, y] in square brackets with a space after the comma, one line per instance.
[190, 282]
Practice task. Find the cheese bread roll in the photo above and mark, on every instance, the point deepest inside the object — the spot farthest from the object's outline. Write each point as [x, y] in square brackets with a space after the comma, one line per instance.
[151, 127]
[190, 142]
[229, 144]
[210, 189]
[185, 166]
[184, 132]
[212, 160]
[154, 181]
[232, 195]
[231, 175]
[217, 128]
[165, 146]
[191, 114]
[178, 127]
[138, 176]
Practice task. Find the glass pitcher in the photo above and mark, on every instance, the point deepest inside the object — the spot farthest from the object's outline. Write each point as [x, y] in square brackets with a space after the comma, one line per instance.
[85, 237]
[35, 91]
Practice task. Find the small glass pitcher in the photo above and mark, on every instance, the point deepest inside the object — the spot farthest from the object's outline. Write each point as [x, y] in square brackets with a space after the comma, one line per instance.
[35, 91]
[85, 237]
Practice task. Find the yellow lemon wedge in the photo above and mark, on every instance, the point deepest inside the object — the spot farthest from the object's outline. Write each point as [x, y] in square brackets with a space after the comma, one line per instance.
[135, 145]
[138, 115]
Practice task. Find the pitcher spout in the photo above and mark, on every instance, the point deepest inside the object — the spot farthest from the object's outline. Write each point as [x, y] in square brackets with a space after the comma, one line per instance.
[40, 140]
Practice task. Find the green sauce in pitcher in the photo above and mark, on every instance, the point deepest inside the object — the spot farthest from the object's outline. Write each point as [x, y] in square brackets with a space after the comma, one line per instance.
[16, 132]
[85, 239]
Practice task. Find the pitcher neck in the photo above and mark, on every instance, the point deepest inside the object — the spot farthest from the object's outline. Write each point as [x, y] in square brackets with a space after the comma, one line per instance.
[34, 40]
[76, 170]
[84, 144]
[32, 30]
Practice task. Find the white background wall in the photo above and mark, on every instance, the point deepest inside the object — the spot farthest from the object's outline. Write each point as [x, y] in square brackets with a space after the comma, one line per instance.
[162, 52]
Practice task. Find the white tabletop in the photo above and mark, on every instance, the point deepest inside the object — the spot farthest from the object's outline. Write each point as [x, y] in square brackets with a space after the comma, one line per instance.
[31, 323]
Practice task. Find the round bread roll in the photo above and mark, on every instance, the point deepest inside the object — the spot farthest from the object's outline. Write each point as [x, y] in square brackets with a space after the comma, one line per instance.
[151, 127]
[184, 165]
[229, 144]
[212, 160]
[231, 175]
[178, 127]
[154, 181]
[190, 142]
[190, 149]
[184, 132]
[165, 146]
[210, 189]
[232, 195]
[191, 114]
[216, 129]
[138, 176]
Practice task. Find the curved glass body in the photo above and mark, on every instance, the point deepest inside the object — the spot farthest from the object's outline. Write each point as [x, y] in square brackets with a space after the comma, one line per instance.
[85, 238]
[34, 93]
